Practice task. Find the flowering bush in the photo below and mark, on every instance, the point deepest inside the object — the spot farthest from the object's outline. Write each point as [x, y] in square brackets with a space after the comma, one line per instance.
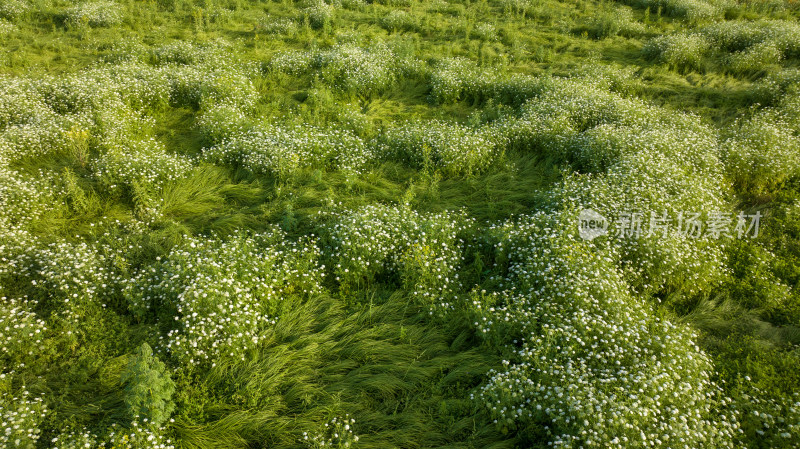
[355, 69]
[20, 417]
[222, 121]
[422, 251]
[736, 36]
[274, 26]
[319, 14]
[762, 152]
[224, 294]
[287, 150]
[11, 9]
[755, 58]
[22, 333]
[95, 14]
[455, 149]
[591, 366]
[6, 27]
[456, 79]
[696, 10]
[292, 62]
[140, 162]
[486, 32]
[398, 20]
[681, 51]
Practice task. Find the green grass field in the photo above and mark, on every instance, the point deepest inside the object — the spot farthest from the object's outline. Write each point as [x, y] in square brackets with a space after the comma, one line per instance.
[258, 224]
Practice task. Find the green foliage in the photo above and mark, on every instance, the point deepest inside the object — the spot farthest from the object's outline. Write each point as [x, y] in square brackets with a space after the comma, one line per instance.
[148, 388]
[340, 224]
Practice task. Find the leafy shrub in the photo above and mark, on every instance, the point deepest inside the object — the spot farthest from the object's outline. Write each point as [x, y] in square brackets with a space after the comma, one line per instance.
[148, 388]
[95, 14]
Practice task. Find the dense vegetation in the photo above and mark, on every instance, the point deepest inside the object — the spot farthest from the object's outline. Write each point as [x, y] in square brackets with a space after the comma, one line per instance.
[247, 224]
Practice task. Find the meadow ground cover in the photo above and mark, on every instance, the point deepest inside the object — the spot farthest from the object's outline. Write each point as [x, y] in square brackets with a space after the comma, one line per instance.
[348, 223]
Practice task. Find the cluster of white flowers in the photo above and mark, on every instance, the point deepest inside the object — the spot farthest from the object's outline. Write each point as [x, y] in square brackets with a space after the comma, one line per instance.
[774, 423]
[591, 365]
[762, 151]
[293, 62]
[398, 20]
[422, 251]
[486, 31]
[6, 27]
[225, 294]
[285, 150]
[346, 67]
[454, 79]
[337, 433]
[695, 10]
[75, 439]
[136, 436]
[682, 51]
[11, 9]
[735, 36]
[671, 166]
[222, 121]
[21, 333]
[355, 69]
[198, 85]
[455, 149]
[319, 14]
[143, 162]
[69, 278]
[275, 26]
[757, 57]
[23, 199]
[20, 417]
[95, 14]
